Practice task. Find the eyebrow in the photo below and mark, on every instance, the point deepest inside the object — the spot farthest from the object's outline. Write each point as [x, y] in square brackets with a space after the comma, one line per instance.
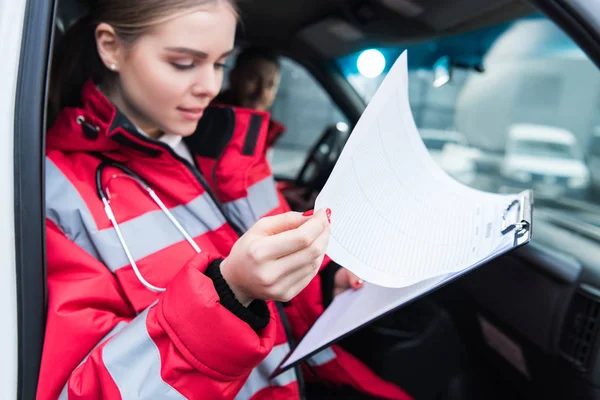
[195, 53]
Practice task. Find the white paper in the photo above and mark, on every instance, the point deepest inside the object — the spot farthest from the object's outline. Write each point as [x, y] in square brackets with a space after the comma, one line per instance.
[399, 221]
[397, 218]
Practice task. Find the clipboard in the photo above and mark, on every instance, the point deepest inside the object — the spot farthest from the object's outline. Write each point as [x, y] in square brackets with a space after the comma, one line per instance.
[524, 221]
[521, 224]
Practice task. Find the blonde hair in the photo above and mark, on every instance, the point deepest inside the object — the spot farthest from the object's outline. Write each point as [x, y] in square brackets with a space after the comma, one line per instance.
[132, 18]
[77, 58]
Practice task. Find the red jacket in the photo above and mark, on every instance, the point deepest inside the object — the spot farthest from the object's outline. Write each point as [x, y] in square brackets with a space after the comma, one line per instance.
[274, 131]
[107, 336]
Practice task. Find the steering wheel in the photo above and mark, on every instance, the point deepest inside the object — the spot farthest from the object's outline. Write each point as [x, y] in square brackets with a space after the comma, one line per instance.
[321, 159]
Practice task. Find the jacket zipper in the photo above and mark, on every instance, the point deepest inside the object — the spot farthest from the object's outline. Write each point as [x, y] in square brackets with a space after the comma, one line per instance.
[214, 171]
[279, 306]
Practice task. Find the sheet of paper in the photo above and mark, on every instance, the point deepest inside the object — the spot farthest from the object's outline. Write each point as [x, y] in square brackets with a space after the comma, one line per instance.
[354, 308]
[397, 218]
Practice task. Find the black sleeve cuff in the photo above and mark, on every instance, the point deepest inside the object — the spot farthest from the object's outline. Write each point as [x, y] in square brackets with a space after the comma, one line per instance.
[256, 315]
[327, 282]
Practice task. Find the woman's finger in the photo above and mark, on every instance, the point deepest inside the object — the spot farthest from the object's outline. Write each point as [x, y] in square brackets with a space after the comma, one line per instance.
[338, 290]
[308, 255]
[279, 223]
[296, 281]
[344, 280]
[354, 281]
[294, 268]
[275, 272]
[298, 239]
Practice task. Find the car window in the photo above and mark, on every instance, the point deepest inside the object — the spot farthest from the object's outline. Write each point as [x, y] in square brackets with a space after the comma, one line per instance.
[536, 148]
[525, 76]
[306, 110]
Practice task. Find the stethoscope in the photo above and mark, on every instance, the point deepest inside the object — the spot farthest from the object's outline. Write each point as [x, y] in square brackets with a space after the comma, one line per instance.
[111, 216]
[105, 197]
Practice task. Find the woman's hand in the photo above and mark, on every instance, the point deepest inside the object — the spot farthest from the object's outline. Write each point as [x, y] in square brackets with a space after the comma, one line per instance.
[344, 280]
[277, 257]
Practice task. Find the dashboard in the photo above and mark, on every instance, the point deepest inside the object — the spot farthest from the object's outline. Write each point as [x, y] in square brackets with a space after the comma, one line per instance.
[538, 309]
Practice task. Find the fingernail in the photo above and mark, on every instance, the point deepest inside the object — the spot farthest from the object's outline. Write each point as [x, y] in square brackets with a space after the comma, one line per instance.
[328, 213]
[308, 213]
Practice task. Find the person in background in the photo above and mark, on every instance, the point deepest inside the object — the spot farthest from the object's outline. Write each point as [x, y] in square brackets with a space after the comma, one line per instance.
[253, 84]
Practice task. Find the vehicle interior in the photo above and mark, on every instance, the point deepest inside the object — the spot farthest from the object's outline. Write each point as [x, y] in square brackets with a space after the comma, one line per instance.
[523, 326]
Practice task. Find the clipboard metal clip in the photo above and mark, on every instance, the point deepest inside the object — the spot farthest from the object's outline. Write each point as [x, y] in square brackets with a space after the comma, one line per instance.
[521, 225]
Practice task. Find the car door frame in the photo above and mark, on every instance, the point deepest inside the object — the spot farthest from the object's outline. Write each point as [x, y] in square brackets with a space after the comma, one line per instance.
[29, 208]
[12, 15]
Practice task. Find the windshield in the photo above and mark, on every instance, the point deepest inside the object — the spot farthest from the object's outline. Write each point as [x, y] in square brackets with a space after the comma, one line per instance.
[538, 148]
[524, 75]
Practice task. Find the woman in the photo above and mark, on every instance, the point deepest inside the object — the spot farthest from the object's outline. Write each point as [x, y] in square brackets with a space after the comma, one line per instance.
[253, 83]
[154, 294]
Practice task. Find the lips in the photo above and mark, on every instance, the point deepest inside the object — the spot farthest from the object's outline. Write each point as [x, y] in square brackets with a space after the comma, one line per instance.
[191, 113]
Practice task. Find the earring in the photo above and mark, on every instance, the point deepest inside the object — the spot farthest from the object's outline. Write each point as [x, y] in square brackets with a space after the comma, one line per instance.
[113, 66]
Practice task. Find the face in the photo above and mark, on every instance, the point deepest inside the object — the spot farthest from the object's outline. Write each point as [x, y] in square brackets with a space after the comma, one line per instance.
[168, 77]
[255, 84]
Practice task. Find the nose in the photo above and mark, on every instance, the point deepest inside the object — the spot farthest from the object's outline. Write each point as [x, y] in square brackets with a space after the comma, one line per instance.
[208, 82]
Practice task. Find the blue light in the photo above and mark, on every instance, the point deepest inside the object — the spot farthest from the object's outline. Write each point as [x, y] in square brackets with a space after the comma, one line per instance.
[371, 63]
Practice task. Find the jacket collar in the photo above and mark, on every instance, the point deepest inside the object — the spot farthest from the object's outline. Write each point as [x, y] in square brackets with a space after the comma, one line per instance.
[276, 129]
[98, 126]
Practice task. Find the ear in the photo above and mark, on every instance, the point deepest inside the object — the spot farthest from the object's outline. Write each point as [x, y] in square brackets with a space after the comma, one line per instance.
[109, 46]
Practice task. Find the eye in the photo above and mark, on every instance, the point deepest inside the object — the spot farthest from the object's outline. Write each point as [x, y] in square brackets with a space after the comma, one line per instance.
[183, 66]
[220, 66]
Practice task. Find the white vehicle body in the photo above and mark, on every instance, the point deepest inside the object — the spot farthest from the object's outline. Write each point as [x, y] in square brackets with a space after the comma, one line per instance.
[12, 15]
[545, 158]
